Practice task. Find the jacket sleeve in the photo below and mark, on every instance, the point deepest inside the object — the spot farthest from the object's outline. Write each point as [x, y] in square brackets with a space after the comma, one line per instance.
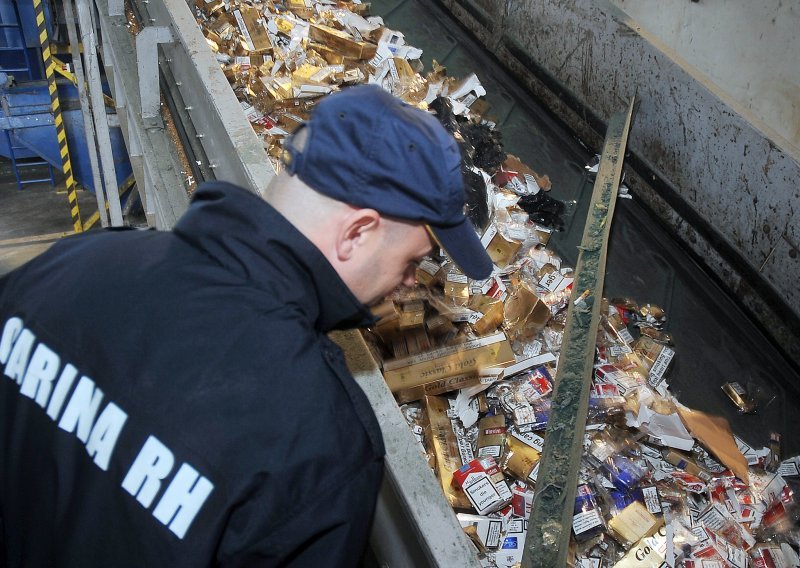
[330, 529]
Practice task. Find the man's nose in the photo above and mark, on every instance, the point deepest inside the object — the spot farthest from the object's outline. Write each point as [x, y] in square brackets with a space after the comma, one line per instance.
[410, 275]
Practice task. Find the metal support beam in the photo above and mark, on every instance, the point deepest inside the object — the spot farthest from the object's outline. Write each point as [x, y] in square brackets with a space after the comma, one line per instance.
[131, 135]
[550, 523]
[116, 7]
[88, 124]
[216, 115]
[147, 42]
[88, 40]
[153, 156]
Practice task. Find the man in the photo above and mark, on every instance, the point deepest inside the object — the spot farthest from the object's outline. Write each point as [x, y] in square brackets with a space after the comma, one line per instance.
[172, 399]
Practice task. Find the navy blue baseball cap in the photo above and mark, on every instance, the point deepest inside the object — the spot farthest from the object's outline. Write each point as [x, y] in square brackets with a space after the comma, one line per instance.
[368, 148]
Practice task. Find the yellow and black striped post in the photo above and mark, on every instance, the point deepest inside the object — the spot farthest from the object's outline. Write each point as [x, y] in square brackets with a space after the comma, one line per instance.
[49, 69]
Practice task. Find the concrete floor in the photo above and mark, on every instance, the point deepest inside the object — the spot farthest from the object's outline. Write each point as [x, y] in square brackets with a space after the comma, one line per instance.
[35, 217]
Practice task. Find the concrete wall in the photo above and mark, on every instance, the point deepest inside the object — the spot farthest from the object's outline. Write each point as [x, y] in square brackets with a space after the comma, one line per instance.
[728, 187]
[749, 48]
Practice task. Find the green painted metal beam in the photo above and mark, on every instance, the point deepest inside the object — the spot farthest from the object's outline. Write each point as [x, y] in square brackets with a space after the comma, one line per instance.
[550, 523]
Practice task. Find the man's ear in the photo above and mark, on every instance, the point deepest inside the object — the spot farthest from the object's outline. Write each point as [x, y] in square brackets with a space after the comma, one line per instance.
[356, 230]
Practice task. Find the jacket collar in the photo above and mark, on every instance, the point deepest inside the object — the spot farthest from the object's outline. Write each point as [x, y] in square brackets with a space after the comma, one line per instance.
[248, 236]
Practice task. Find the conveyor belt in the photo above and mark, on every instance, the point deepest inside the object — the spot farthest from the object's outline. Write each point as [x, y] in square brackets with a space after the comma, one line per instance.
[715, 341]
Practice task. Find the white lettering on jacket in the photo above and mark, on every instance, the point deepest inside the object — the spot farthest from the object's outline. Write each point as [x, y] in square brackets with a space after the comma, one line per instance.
[47, 380]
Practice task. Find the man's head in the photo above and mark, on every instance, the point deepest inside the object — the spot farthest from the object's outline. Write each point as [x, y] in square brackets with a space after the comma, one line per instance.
[387, 167]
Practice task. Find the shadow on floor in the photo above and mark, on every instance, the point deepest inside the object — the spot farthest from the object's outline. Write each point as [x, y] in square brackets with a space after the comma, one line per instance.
[33, 218]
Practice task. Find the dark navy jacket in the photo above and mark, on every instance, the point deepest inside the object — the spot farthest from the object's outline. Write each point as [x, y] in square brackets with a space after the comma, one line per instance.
[171, 399]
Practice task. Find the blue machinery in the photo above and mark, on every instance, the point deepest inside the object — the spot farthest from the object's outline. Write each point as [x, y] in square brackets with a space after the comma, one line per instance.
[28, 136]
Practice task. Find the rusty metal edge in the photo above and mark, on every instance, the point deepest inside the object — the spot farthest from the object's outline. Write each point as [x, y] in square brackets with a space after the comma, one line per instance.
[550, 522]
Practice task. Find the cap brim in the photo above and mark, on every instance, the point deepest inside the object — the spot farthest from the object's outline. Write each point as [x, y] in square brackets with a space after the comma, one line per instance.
[465, 248]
